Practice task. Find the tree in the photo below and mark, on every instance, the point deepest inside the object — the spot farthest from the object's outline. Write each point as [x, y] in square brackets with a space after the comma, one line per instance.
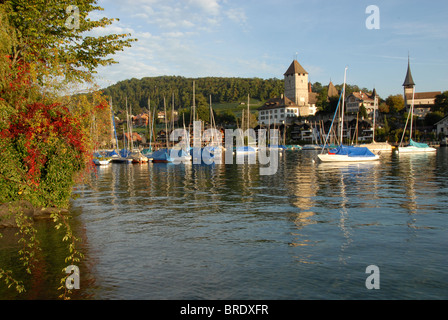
[433, 117]
[363, 112]
[441, 103]
[226, 117]
[45, 136]
[395, 103]
[53, 37]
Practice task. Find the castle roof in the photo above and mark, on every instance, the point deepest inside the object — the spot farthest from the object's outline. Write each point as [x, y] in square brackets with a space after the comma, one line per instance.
[294, 68]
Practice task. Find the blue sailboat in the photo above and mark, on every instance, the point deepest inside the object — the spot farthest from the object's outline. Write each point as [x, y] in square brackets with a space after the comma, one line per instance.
[345, 153]
[170, 155]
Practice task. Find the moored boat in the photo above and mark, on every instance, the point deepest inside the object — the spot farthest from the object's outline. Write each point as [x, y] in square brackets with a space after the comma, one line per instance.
[346, 153]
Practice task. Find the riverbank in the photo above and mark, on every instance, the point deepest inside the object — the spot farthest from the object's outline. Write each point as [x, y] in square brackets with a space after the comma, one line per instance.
[8, 211]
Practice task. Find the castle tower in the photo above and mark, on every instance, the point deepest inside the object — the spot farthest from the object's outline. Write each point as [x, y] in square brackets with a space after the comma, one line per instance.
[408, 85]
[296, 84]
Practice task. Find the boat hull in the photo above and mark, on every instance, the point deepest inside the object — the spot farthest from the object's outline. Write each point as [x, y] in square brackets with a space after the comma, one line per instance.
[377, 147]
[101, 162]
[345, 158]
[412, 149]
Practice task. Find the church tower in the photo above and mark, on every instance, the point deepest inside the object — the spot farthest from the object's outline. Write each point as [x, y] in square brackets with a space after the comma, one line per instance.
[408, 85]
[296, 84]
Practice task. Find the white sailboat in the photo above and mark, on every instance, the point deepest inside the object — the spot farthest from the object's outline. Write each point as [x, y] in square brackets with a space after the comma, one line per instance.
[346, 153]
[377, 147]
[412, 147]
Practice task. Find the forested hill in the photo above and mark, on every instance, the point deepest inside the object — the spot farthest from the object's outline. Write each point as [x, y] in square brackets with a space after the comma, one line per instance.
[221, 90]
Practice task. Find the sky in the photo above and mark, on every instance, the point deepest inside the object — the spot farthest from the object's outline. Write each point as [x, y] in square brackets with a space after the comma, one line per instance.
[260, 38]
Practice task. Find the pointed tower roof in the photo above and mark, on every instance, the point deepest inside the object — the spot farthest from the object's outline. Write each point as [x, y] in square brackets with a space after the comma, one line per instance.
[408, 81]
[332, 91]
[294, 68]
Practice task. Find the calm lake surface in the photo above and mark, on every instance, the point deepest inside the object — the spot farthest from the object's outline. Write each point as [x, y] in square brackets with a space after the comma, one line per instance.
[165, 231]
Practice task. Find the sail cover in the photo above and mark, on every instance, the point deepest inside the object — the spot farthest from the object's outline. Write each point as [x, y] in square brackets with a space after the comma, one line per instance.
[352, 151]
[417, 144]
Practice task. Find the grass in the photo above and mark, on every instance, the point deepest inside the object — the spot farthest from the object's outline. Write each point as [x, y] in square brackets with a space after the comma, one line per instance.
[237, 107]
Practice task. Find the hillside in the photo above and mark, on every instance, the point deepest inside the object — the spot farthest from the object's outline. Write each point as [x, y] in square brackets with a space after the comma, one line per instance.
[224, 92]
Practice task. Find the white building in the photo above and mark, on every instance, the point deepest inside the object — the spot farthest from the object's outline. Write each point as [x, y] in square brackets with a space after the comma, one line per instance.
[277, 111]
[442, 126]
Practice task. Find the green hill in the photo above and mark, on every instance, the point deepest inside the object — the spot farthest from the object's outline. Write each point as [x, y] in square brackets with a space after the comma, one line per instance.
[226, 93]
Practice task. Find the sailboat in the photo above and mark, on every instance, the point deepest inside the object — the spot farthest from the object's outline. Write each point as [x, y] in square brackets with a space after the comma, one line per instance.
[377, 147]
[113, 154]
[314, 141]
[99, 158]
[345, 153]
[148, 151]
[167, 155]
[249, 148]
[412, 147]
[212, 151]
[124, 153]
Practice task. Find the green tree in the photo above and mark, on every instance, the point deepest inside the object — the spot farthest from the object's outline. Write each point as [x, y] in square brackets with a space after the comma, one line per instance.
[50, 38]
[363, 112]
[395, 102]
[226, 117]
[433, 117]
[441, 103]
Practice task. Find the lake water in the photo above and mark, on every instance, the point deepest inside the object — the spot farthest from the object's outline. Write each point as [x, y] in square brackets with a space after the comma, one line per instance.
[165, 231]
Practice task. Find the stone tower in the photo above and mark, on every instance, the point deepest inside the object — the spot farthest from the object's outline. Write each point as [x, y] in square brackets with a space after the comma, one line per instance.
[408, 85]
[296, 84]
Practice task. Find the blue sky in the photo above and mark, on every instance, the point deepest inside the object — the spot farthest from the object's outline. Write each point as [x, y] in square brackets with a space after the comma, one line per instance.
[260, 38]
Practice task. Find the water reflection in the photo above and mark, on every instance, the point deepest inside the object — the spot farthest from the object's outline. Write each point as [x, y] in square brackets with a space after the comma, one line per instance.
[224, 231]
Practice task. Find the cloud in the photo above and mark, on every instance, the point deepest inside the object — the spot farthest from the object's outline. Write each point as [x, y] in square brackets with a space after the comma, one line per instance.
[237, 15]
[174, 38]
[211, 7]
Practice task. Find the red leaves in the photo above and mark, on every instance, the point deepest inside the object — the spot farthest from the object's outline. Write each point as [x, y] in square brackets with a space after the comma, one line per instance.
[103, 105]
[42, 127]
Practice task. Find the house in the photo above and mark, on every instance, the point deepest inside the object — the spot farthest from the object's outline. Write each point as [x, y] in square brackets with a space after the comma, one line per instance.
[357, 99]
[442, 127]
[161, 115]
[298, 99]
[140, 120]
[135, 137]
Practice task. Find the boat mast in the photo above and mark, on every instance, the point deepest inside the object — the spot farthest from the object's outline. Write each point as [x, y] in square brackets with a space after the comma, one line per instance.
[375, 101]
[343, 101]
[412, 114]
[248, 112]
[166, 125]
